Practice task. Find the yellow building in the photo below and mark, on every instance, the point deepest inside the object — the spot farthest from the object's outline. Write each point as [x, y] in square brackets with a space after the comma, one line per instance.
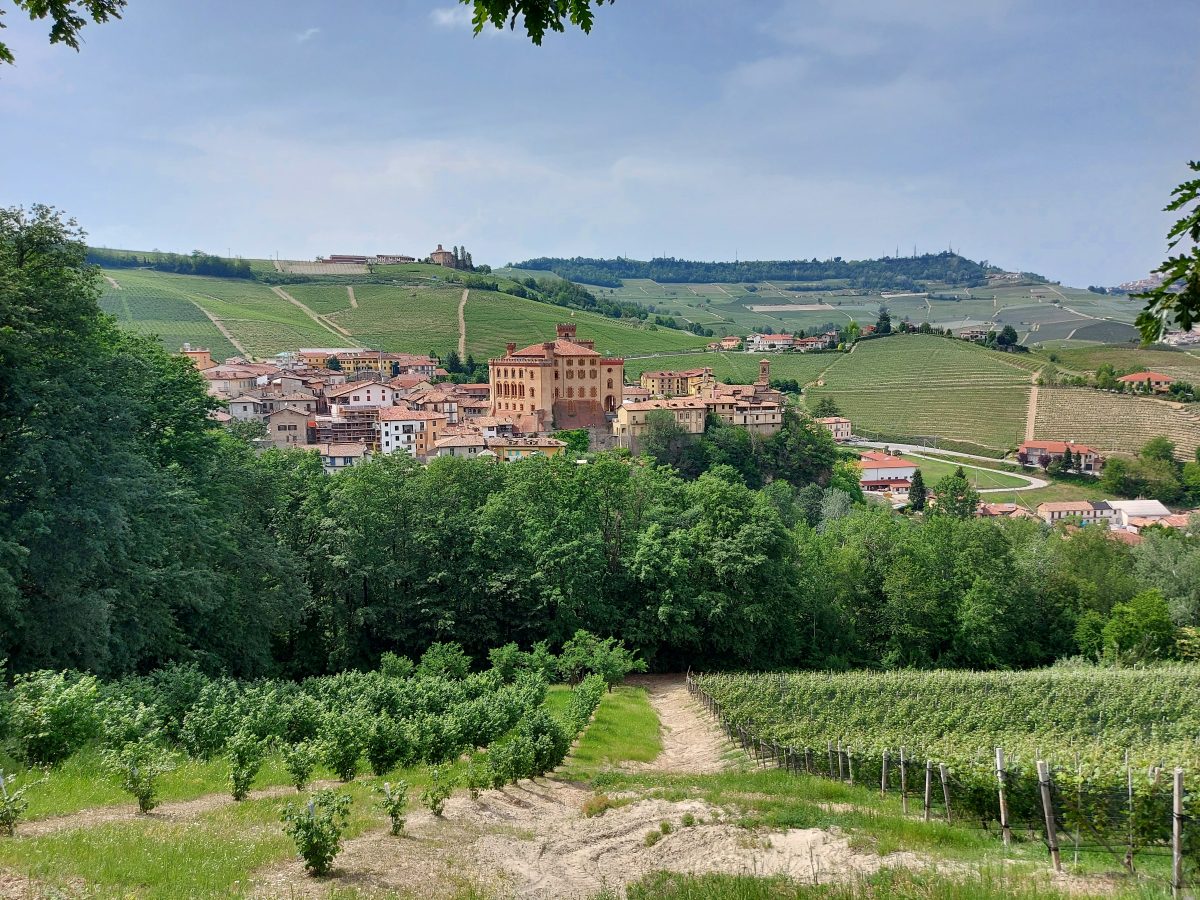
[562, 383]
[689, 413]
[673, 384]
[510, 449]
[201, 357]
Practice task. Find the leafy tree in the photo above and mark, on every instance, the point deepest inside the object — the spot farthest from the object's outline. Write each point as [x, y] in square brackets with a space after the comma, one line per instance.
[955, 496]
[1140, 629]
[444, 660]
[537, 16]
[664, 439]
[1177, 298]
[138, 765]
[246, 752]
[67, 18]
[1160, 448]
[883, 325]
[1007, 337]
[826, 408]
[578, 440]
[916, 492]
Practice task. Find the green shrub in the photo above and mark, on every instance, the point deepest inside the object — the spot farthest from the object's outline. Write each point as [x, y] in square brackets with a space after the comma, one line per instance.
[211, 721]
[52, 715]
[507, 661]
[393, 666]
[445, 661]
[394, 801]
[300, 720]
[666, 827]
[652, 838]
[125, 723]
[138, 766]
[246, 752]
[688, 820]
[387, 744]
[440, 788]
[317, 828]
[342, 743]
[12, 802]
[478, 777]
[300, 760]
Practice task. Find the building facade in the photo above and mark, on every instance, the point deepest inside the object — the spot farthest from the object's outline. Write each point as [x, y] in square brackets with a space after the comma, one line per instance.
[562, 383]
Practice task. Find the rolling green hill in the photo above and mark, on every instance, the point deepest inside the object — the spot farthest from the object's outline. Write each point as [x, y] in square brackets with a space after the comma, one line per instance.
[418, 317]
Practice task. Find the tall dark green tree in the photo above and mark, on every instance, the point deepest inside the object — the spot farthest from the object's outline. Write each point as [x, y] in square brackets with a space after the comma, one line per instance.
[916, 492]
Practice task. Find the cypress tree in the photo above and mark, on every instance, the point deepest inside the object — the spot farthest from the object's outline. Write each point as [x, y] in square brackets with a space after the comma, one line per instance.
[916, 493]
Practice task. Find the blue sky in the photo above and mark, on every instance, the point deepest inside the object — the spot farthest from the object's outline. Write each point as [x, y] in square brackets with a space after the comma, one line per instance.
[1044, 136]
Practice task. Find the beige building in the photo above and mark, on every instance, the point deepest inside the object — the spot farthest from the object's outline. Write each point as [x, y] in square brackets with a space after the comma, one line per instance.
[442, 257]
[510, 449]
[562, 383]
[288, 427]
[630, 425]
[839, 427]
[673, 384]
[411, 431]
[200, 357]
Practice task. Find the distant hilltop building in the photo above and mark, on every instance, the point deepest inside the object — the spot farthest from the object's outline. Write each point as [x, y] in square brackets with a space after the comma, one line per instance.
[383, 259]
[443, 257]
[201, 357]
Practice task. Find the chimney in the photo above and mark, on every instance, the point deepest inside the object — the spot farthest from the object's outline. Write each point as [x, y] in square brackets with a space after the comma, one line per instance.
[511, 348]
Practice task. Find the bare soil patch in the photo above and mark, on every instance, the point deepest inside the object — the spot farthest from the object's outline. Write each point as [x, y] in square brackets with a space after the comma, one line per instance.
[113, 282]
[788, 307]
[533, 841]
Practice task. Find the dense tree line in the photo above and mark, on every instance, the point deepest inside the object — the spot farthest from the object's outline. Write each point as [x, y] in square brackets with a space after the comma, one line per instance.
[896, 273]
[197, 263]
[134, 533]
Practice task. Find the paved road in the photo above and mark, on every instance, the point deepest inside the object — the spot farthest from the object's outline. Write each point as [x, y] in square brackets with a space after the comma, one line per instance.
[1033, 483]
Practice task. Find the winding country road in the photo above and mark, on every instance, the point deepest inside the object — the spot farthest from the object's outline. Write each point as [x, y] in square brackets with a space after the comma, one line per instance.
[1033, 482]
[462, 325]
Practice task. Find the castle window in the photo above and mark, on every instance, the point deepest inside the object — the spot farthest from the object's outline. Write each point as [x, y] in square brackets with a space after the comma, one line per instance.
[570, 392]
[593, 392]
[610, 381]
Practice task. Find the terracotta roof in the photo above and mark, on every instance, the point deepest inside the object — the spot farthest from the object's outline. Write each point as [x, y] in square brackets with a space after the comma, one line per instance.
[1145, 376]
[351, 386]
[342, 449]
[1057, 447]
[402, 414]
[884, 482]
[1126, 537]
[833, 420]
[461, 440]
[561, 348]
[288, 407]
[883, 461]
[668, 403]
[1071, 506]
[687, 373]
[525, 442]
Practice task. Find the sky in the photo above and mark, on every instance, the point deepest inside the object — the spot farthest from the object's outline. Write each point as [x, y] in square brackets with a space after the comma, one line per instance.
[1039, 136]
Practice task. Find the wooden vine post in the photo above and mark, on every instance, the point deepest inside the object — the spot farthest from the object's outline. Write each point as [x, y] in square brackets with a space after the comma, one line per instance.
[928, 787]
[1005, 827]
[1177, 835]
[883, 778]
[832, 767]
[1043, 770]
[945, 788]
[903, 783]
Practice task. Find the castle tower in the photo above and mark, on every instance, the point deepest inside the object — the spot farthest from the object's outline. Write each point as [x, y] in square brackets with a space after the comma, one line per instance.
[764, 372]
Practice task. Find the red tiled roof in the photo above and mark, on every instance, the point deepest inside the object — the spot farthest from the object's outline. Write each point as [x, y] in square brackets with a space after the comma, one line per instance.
[1145, 376]
[351, 386]
[561, 348]
[401, 414]
[1057, 447]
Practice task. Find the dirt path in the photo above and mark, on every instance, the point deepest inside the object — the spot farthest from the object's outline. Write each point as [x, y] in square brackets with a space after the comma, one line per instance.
[353, 299]
[1031, 413]
[237, 345]
[175, 811]
[692, 743]
[462, 325]
[112, 281]
[332, 327]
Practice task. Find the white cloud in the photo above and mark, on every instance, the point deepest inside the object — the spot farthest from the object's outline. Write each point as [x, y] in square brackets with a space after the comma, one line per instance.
[451, 17]
[307, 35]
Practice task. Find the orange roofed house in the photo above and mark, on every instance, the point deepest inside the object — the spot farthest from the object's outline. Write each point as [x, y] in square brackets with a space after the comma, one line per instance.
[562, 383]
[1156, 381]
[883, 474]
[1042, 453]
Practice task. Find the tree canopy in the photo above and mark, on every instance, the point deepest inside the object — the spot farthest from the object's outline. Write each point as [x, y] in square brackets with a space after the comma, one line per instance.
[537, 16]
[67, 18]
[1177, 297]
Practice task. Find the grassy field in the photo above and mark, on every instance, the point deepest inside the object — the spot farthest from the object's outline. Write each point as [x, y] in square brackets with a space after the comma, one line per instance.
[1176, 363]
[979, 476]
[917, 386]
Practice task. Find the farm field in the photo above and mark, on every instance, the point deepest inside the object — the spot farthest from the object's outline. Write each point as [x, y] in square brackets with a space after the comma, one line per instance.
[261, 320]
[1100, 732]
[494, 319]
[1114, 422]
[917, 387]
[414, 318]
[174, 319]
[1176, 363]
[735, 368]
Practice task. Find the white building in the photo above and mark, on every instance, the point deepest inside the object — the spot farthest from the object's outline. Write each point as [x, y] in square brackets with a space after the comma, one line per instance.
[1124, 511]
[361, 395]
[412, 431]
